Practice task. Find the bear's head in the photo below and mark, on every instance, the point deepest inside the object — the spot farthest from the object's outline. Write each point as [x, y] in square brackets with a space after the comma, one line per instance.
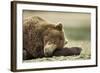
[53, 39]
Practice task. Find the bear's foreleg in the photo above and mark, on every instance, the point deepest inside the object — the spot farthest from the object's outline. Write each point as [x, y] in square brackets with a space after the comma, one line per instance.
[67, 51]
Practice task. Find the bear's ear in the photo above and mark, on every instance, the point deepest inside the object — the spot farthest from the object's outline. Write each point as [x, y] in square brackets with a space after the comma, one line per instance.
[59, 26]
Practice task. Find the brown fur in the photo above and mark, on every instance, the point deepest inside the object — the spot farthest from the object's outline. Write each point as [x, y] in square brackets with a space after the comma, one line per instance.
[36, 32]
[67, 51]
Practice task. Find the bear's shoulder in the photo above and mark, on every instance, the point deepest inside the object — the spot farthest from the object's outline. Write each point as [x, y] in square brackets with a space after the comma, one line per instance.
[37, 22]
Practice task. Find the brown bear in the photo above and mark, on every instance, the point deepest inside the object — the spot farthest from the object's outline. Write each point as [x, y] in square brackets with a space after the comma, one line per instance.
[41, 38]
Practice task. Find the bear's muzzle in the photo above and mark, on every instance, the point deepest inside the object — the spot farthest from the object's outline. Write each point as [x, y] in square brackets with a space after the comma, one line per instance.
[49, 49]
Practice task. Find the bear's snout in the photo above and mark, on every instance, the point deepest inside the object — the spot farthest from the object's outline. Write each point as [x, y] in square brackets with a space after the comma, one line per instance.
[49, 49]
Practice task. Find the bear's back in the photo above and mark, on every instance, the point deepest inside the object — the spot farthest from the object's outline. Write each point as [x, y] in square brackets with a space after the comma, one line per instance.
[34, 21]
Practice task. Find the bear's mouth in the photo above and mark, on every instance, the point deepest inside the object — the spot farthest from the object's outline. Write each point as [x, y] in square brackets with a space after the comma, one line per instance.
[49, 49]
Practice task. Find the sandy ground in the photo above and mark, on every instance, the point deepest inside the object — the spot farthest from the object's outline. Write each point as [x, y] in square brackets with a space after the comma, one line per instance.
[85, 54]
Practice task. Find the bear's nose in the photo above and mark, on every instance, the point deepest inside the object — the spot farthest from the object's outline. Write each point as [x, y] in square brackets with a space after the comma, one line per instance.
[48, 54]
[49, 49]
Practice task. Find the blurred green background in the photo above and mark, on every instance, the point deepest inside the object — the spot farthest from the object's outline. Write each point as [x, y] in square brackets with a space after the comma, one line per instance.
[77, 27]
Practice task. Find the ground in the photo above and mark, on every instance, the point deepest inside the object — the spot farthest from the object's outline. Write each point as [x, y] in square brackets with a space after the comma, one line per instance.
[85, 54]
